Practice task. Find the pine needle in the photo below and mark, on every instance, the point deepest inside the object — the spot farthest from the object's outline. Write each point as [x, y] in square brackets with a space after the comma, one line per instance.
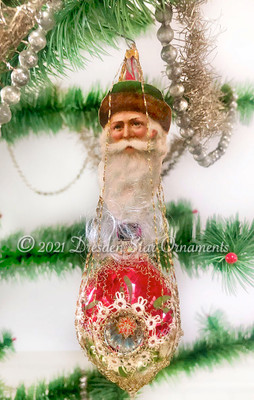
[218, 343]
[6, 344]
[83, 30]
[49, 109]
[195, 249]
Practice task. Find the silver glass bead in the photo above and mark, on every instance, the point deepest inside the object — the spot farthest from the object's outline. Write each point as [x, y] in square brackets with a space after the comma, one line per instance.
[176, 90]
[10, 95]
[206, 162]
[221, 150]
[174, 71]
[223, 144]
[183, 120]
[165, 34]
[5, 114]
[46, 20]
[234, 95]
[225, 138]
[20, 76]
[187, 133]
[228, 125]
[233, 105]
[37, 40]
[168, 53]
[180, 105]
[55, 5]
[232, 115]
[197, 150]
[195, 141]
[216, 154]
[228, 135]
[164, 15]
[200, 156]
[177, 70]
[28, 58]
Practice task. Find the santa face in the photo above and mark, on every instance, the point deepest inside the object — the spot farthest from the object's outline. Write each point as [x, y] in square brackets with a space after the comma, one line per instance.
[129, 124]
[134, 144]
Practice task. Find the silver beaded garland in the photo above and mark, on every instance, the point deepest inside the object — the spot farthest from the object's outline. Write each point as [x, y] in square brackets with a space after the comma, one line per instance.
[20, 76]
[46, 20]
[37, 40]
[55, 5]
[168, 53]
[28, 59]
[187, 133]
[183, 120]
[10, 95]
[200, 156]
[164, 16]
[176, 90]
[5, 113]
[165, 34]
[206, 162]
[180, 104]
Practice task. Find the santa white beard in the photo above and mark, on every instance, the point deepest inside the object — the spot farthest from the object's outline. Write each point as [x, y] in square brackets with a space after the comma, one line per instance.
[128, 189]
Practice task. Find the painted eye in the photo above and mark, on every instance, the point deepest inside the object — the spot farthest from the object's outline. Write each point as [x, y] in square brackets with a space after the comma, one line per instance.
[118, 127]
[137, 123]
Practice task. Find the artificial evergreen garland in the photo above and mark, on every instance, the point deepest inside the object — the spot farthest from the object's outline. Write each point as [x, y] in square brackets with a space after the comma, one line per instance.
[50, 110]
[218, 342]
[6, 344]
[196, 249]
[90, 26]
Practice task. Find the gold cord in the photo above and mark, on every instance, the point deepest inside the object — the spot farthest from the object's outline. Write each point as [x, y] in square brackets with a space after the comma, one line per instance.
[40, 192]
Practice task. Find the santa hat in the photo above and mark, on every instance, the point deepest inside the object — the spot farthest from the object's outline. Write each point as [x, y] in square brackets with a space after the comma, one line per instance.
[128, 94]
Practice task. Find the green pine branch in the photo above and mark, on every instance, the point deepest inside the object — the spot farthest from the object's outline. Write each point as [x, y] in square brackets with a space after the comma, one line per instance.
[62, 388]
[245, 100]
[51, 109]
[57, 258]
[67, 252]
[218, 343]
[86, 26]
[227, 236]
[196, 249]
[6, 344]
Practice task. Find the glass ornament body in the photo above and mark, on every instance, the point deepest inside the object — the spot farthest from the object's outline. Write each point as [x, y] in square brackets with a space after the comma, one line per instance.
[128, 320]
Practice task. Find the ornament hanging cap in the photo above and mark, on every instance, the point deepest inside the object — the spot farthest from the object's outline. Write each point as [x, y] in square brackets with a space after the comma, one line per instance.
[132, 94]
[131, 69]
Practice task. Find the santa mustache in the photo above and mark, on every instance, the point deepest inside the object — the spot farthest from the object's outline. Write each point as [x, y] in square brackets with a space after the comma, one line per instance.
[134, 143]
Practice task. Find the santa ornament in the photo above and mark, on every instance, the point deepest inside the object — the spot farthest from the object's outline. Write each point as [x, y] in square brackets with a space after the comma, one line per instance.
[127, 315]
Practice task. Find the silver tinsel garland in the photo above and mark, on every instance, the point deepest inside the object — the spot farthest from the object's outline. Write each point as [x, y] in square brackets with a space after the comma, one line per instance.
[197, 98]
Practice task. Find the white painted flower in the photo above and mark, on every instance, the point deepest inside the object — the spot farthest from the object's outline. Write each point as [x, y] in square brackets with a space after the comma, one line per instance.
[102, 311]
[139, 307]
[154, 341]
[151, 322]
[120, 301]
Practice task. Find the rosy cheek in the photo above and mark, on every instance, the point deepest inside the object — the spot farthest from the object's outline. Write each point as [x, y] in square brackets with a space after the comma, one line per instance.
[141, 132]
[116, 135]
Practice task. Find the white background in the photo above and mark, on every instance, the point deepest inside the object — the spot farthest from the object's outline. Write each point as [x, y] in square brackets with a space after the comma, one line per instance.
[41, 313]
